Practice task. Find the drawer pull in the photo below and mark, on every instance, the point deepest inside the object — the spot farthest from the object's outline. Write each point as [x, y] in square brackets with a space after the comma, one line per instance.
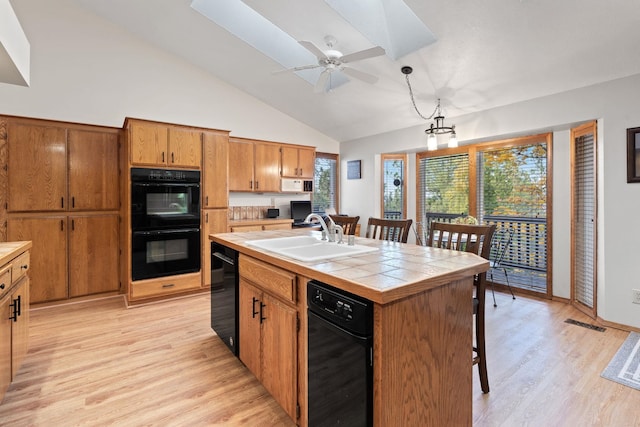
[168, 285]
[1, 285]
[24, 267]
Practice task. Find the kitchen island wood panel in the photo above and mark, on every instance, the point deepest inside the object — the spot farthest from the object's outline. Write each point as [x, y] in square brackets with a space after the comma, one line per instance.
[423, 328]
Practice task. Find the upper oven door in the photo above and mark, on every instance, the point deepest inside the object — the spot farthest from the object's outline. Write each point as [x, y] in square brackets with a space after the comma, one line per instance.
[164, 205]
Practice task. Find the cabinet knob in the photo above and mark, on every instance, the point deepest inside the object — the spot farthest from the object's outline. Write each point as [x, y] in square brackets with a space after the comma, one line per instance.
[1, 285]
[24, 267]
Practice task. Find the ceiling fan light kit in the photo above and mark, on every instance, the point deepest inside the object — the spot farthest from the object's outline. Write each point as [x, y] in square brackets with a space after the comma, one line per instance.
[437, 128]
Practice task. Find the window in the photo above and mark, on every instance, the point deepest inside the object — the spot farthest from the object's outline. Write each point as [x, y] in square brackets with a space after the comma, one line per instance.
[325, 183]
[512, 193]
[502, 183]
[394, 186]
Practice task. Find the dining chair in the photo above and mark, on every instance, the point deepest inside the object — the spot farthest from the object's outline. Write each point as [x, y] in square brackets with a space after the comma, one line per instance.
[394, 230]
[499, 246]
[475, 239]
[349, 224]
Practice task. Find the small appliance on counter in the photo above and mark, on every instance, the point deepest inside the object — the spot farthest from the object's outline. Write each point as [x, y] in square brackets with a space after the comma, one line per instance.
[273, 213]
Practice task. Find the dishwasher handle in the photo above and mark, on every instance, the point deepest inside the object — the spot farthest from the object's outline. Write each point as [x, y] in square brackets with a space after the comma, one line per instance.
[224, 258]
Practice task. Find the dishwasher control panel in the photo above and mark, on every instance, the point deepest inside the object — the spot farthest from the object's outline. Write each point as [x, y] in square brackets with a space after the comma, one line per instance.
[348, 311]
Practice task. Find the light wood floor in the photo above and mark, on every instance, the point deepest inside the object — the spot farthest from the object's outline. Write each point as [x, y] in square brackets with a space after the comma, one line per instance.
[98, 363]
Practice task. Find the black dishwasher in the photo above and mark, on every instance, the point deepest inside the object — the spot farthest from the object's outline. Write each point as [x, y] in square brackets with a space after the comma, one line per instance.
[224, 295]
[340, 358]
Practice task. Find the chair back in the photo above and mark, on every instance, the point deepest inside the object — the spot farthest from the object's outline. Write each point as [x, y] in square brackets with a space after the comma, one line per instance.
[394, 230]
[348, 223]
[462, 237]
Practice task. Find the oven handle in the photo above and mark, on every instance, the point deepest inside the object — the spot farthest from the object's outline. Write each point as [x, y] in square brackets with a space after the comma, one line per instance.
[160, 232]
[166, 184]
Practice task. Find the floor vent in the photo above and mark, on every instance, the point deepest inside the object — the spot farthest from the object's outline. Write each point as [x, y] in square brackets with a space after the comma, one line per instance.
[586, 325]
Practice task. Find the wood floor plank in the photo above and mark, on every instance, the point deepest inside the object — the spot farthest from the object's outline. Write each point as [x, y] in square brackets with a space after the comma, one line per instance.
[98, 363]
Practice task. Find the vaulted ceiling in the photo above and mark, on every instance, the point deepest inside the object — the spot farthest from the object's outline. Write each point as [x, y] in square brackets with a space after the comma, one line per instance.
[486, 54]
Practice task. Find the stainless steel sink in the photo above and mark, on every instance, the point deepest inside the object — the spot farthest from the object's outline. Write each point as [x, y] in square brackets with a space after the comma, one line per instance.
[309, 248]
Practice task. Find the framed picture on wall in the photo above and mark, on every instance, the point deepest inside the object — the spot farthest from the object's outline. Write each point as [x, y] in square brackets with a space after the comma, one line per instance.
[353, 169]
[633, 154]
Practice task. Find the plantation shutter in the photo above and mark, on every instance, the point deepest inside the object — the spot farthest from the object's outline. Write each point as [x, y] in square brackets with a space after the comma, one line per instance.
[584, 219]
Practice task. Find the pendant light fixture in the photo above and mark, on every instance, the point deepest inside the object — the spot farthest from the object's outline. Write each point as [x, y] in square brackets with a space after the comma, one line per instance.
[437, 128]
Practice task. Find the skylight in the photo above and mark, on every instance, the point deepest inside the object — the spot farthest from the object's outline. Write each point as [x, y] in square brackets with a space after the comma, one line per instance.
[257, 31]
[387, 23]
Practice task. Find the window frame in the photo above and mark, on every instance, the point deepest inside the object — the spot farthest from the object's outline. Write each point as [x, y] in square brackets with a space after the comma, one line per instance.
[336, 159]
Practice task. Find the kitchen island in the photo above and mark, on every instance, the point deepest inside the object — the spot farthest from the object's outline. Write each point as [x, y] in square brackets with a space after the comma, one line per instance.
[422, 374]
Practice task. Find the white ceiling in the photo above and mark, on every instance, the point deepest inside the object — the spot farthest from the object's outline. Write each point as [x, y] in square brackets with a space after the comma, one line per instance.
[489, 53]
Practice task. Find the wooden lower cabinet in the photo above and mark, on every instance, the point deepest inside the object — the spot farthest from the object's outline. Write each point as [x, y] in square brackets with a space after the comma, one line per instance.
[71, 256]
[93, 255]
[48, 254]
[20, 327]
[14, 312]
[268, 331]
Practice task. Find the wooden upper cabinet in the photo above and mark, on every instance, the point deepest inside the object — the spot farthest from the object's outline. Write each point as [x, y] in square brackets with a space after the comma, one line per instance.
[148, 144]
[267, 168]
[57, 169]
[37, 168]
[157, 144]
[241, 160]
[298, 162]
[93, 170]
[215, 170]
[185, 148]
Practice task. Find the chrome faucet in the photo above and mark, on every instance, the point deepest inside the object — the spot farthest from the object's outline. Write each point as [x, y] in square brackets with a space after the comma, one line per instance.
[329, 230]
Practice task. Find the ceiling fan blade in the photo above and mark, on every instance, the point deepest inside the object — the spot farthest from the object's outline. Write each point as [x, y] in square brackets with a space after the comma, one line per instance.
[303, 67]
[321, 84]
[360, 75]
[363, 54]
[313, 49]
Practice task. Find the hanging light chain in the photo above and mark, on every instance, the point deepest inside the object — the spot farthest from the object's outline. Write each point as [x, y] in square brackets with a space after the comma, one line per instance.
[413, 101]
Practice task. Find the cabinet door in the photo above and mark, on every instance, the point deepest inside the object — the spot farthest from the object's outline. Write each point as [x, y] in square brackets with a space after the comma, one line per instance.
[148, 144]
[5, 343]
[215, 221]
[37, 168]
[289, 161]
[185, 148]
[215, 170]
[48, 268]
[306, 162]
[93, 170]
[20, 328]
[267, 168]
[93, 254]
[241, 166]
[249, 327]
[279, 353]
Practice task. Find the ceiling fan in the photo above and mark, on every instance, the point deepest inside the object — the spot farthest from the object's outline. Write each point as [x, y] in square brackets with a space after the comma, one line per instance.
[333, 60]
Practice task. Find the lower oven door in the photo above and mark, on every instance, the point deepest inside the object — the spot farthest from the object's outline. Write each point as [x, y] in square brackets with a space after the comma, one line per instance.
[158, 253]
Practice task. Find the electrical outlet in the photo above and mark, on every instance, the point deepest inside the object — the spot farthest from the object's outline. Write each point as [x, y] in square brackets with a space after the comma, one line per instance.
[636, 296]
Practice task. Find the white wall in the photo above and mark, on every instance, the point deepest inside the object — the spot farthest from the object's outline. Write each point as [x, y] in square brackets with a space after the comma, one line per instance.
[87, 70]
[615, 106]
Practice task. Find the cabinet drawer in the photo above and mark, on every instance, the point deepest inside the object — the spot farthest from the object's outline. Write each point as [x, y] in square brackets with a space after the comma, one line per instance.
[272, 279]
[5, 280]
[164, 286]
[277, 227]
[20, 266]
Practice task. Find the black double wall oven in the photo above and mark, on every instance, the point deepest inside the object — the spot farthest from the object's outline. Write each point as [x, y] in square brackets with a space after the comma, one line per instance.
[165, 222]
